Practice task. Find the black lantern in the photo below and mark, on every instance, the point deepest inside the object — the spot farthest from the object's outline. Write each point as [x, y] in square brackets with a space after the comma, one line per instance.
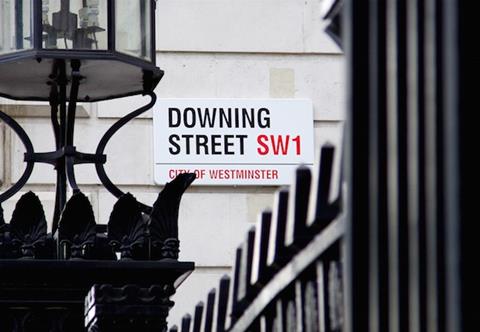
[65, 51]
[112, 42]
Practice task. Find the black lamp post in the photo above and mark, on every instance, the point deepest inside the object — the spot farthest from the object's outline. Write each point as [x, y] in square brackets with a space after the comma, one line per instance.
[67, 51]
[64, 52]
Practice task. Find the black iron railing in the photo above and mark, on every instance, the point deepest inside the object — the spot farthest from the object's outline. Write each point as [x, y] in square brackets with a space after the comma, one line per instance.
[288, 273]
[129, 268]
[396, 258]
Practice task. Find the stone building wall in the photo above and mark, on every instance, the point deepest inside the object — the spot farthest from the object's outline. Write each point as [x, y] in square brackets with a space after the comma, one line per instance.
[208, 49]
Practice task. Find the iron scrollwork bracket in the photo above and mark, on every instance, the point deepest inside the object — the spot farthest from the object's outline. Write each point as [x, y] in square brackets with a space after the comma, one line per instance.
[108, 184]
[9, 121]
[66, 155]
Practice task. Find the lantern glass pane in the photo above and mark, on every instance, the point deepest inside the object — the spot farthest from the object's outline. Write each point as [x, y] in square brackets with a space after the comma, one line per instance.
[75, 24]
[15, 25]
[133, 28]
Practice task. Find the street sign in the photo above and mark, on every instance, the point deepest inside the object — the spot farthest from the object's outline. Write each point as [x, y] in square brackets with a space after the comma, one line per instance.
[232, 141]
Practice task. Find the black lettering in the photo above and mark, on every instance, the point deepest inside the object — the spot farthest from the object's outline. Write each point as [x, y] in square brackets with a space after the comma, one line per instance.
[246, 117]
[171, 112]
[174, 148]
[186, 122]
[228, 143]
[202, 141]
[236, 118]
[225, 117]
[264, 121]
[216, 143]
[242, 141]
[187, 142]
[206, 117]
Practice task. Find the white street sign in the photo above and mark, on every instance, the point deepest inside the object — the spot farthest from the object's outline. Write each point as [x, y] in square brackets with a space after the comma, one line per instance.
[232, 141]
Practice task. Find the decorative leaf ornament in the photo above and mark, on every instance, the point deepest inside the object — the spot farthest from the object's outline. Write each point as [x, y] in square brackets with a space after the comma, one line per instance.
[127, 228]
[163, 223]
[77, 228]
[28, 226]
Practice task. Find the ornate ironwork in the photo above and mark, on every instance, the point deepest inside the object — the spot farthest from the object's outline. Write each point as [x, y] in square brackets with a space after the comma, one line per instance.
[133, 301]
[28, 228]
[132, 234]
[77, 229]
[127, 229]
[163, 222]
[45, 276]
[66, 155]
[105, 139]
[41, 293]
[9, 121]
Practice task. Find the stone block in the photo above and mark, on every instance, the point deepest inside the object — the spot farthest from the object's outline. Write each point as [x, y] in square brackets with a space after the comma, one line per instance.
[257, 76]
[282, 82]
[21, 108]
[258, 26]
[207, 75]
[41, 135]
[118, 107]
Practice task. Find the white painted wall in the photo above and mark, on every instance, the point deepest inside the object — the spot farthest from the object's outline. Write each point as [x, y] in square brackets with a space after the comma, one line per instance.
[208, 48]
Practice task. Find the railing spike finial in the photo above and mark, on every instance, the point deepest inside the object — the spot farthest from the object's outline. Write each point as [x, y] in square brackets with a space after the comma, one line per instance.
[223, 294]
[127, 229]
[210, 310]
[76, 230]
[276, 247]
[28, 226]
[260, 250]
[295, 235]
[198, 317]
[186, 321]
[321, 210]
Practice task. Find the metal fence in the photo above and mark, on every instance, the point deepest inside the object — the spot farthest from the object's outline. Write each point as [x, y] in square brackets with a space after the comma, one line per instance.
[406, 165]
[395, 258]
[288, 272]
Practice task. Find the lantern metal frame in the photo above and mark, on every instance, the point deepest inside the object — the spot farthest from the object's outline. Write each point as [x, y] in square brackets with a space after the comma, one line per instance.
[150, 72]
